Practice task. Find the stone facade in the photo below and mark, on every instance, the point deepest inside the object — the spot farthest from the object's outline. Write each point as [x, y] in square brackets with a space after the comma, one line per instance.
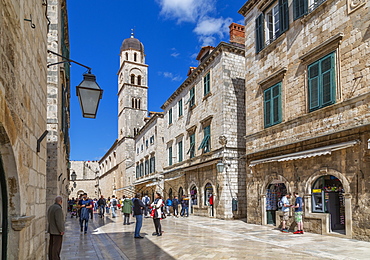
[23, 99]
[219, 110]
[86, 178]
[58, 105]
[310, 144]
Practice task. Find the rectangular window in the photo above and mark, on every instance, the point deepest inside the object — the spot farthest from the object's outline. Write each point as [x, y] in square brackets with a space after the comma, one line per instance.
[321, 82]
[207, 83]
[271, 24]
[191, 100]
[152, 164]
[313, 4]
[179, 150]
[152, 139]
[179, 106]
[141, 169]
[146, 143]
[146, 167]
[300, 8]
[206, 142]
[170, 116]
[191, 150]
[170, 156]
[137, 171]
[272, 105]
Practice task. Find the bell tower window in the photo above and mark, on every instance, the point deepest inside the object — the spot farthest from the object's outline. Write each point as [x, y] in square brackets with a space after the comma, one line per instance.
[126, 56]
[139, 80]
[135, 56]
[132, 79]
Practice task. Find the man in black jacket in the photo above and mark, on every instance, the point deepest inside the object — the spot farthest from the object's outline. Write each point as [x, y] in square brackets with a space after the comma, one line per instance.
[101, 206]
[175, 205]
[138, 214]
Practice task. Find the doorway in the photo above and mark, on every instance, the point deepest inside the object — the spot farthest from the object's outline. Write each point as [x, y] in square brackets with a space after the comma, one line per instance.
[275, 191]
[208, 198]
[193, 197]
[328, 197]
[3, 213]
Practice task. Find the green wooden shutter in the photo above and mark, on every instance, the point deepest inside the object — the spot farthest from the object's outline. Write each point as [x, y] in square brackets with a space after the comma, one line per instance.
[170, 156]
[267, 107]
[276, 104]
[179, 146]
[284, 15]
[260, 33]
[314, 86]
[300, 8]
[328, 80]
[206, 84]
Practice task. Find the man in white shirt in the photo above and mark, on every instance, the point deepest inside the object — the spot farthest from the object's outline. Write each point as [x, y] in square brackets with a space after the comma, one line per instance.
[285, 209]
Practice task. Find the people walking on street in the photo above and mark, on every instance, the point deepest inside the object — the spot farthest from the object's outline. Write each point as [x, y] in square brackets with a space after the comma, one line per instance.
[126, 210]
[84, 205]
[113, 206]
[175, 206]
[56, 227]
[210, 201]
[101, 206]
[298, 213]
[91, 210]
[146, 201]
[184, 206]
[285, 209]
[157, 206]
[168, 206]
[138, 214]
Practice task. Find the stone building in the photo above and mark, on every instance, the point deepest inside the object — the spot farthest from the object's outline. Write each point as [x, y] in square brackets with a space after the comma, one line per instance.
[307, 113]
[203, 125]
[149, 155]
[132, 110]
[58, 95]
[23, 113]
[87, 173]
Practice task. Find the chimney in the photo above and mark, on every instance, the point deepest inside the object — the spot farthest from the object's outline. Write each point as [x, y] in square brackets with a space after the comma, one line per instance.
[237, 33]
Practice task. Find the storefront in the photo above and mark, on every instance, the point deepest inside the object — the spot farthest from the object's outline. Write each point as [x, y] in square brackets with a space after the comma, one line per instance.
[193, 197]
[208, 198]
[328, 197]
[275, 191]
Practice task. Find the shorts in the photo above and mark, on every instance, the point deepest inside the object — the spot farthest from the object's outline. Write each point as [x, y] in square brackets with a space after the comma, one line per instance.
[298, 216]
[286, 215]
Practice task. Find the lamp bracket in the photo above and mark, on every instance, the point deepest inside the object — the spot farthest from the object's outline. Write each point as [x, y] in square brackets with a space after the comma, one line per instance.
[33, 26]
[40, 140]
[67, 60]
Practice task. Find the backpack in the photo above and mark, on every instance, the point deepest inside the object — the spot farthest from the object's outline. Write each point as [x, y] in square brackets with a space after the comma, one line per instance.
[280, 204]
[114, 203]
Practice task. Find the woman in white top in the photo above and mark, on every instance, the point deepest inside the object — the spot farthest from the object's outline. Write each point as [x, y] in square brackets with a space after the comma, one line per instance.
[157, 206]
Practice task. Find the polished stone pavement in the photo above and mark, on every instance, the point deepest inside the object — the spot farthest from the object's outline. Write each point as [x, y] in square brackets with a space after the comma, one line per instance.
[201, 238]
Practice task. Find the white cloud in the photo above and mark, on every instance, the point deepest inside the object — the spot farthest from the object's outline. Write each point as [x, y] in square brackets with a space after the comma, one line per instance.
[174, 54]
[170, 76]
[208, 27]
[185, 10]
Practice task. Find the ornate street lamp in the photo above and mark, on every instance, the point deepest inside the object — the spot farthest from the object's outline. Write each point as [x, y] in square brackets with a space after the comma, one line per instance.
[89, 94]
[220, 167]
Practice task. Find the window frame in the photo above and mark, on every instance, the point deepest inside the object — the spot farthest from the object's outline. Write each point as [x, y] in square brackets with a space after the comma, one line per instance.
[180, 151]
[205, 145]
[191, 150]
[207, 83]
[191, 99]
[180, 108]
[320, 84]
[170, 162]
[170, 116]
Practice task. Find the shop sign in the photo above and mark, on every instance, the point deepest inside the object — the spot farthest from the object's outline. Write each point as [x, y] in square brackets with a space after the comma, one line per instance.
[316, 191]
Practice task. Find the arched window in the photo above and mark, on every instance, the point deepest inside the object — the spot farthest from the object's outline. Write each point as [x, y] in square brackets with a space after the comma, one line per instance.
[181, 192]
[126, 56]
[135, 56]
[132, 102]
[132, 79]
[194, 195]
[139, 80]
[136, 101]
[139, 101]
[170, 193]
[208, 194]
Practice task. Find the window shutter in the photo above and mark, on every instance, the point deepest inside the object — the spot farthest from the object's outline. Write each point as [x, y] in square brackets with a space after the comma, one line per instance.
[313, 86]
[276, 104]
[328, 80]
[260, 33]
[300, 8]
[267, 107]
[284, 15]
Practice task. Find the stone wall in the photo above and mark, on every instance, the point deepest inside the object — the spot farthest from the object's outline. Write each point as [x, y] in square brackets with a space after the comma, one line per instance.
[86, 181]
[23, 95]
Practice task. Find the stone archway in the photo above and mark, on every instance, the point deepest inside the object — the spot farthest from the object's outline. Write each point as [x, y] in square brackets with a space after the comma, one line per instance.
[3, 213]
[347, 200]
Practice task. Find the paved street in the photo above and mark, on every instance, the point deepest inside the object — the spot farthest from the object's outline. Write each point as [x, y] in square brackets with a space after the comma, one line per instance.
[201, 238]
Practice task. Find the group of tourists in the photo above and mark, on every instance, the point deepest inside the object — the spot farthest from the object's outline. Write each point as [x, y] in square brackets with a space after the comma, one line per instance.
[298, 212]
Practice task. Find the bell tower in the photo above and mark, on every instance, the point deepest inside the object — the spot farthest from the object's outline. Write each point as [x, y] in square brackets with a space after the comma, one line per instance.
[132, 88]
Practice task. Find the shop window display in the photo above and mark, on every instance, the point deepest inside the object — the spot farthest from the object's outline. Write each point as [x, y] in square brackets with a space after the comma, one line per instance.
[327, 197]
[274, 194]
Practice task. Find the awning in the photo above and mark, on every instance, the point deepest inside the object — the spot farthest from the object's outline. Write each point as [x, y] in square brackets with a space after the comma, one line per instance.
[174, 178]
[145, 180]
[305, 154]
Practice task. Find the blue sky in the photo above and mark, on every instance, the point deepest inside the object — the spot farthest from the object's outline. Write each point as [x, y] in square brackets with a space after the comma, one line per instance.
[172, 31]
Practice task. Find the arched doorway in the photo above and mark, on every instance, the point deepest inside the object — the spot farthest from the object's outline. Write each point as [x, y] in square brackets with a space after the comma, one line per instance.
[193, 197]
[208, 198]
[181, 193]
[328, 197]
[274, 192]
[3, 213]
